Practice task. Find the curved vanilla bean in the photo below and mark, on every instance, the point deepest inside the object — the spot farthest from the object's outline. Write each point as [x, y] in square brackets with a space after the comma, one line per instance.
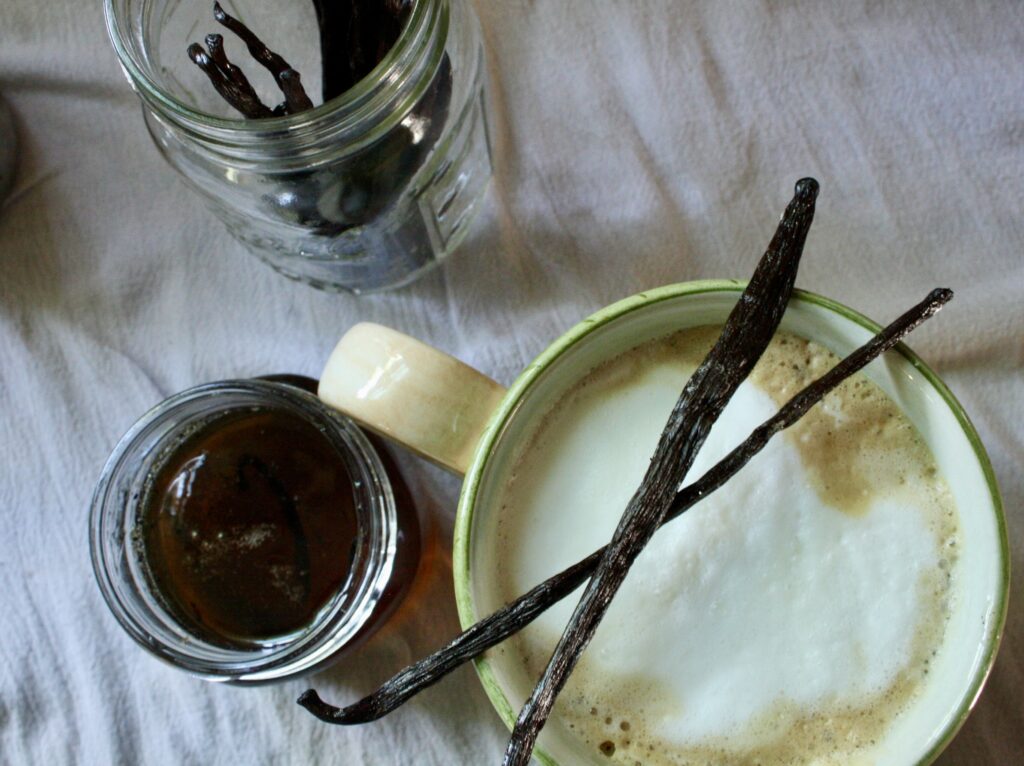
[513, 617]
[475, 640]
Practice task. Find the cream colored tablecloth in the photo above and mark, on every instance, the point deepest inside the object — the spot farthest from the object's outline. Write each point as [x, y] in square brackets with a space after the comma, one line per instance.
[636, 144]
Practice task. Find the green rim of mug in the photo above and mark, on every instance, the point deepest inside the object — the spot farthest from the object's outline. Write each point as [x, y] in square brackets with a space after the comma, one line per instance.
[498, 420]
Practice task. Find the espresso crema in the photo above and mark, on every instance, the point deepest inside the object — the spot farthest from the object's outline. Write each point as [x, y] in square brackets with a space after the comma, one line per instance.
[789, 618]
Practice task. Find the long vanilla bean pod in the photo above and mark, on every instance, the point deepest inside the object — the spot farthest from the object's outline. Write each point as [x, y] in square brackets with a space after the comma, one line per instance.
[744, 337]
[513, 617]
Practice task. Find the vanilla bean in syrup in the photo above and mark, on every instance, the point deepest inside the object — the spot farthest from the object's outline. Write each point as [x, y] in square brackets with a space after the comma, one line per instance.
[250, 525]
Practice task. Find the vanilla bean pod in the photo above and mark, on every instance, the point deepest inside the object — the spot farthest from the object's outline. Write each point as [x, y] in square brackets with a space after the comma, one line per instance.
[295, 98]
[215, 47]
[511, 618]
[745, 335]
[354, 37]
[287, 79]
[333, 19]
[244, 101]
[232, 84]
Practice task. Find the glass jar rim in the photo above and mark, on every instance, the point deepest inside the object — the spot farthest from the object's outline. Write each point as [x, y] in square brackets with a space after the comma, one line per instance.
[359, 103]
[335, 625]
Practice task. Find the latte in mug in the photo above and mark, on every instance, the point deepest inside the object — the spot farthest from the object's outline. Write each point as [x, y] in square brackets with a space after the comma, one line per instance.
[789, 618]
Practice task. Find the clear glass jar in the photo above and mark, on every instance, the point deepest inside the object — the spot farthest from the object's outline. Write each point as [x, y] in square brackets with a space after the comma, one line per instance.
[383, 558]
[361, 193]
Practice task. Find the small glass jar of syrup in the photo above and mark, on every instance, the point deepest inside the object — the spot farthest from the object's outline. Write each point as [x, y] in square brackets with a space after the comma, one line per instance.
[243, 531]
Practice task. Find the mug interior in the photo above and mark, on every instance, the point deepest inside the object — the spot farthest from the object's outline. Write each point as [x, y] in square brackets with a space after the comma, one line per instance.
[972, 634]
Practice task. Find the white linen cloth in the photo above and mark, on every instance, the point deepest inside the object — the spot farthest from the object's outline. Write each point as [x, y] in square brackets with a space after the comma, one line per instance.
[636, 144]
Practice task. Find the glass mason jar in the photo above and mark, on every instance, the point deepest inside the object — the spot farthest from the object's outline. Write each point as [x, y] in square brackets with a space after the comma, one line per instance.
[384, 554]
[361, 193]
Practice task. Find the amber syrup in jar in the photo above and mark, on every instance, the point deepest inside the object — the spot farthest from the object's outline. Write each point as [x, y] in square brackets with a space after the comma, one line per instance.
[249, 527]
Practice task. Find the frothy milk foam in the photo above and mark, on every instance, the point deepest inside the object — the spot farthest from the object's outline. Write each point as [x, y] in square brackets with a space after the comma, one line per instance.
[788, 618]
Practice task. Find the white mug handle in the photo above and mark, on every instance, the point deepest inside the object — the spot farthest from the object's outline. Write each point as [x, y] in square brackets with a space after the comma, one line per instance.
[411, 393]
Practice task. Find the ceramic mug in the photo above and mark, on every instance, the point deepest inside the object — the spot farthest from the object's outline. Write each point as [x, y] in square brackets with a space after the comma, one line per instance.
[457, 417]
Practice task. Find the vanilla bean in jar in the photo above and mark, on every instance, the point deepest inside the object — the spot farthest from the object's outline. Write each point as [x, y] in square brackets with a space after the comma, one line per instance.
[361, 192]
[243, 531]
[249, 526]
